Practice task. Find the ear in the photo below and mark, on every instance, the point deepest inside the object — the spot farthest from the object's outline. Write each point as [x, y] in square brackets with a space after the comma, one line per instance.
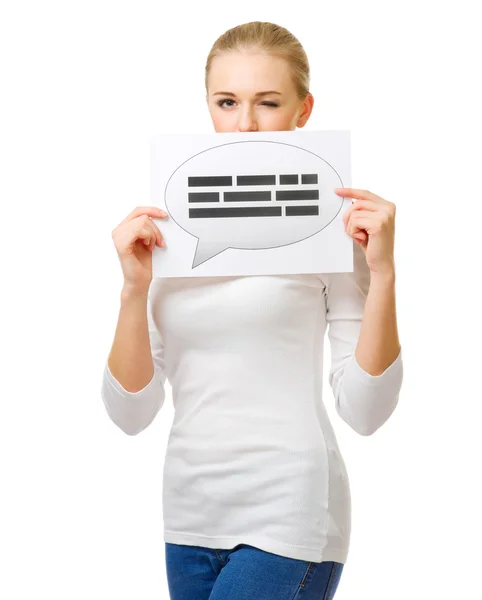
[306, 109]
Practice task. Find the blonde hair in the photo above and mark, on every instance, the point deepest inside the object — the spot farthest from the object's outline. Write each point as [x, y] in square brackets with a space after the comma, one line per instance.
[270, 38]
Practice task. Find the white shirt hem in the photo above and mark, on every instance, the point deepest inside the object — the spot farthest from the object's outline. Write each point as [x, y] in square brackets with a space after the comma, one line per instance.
[264, 543]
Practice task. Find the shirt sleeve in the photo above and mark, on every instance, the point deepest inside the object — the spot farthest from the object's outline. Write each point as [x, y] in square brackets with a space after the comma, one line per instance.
[362, 400]
[134, 411]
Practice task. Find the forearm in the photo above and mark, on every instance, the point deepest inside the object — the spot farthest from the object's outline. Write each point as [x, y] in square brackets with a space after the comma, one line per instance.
[378, 343]
[130, 358]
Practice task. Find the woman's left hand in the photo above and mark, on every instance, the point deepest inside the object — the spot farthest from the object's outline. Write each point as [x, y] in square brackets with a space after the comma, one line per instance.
[370, 221]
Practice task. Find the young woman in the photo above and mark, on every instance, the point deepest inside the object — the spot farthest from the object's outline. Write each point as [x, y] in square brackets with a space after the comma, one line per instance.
[256, 499]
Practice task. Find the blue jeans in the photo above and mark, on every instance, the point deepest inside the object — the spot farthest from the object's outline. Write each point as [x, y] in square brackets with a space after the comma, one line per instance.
[245, 572]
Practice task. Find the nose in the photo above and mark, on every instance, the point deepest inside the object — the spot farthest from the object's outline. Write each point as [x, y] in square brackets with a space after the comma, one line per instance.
[247, 121]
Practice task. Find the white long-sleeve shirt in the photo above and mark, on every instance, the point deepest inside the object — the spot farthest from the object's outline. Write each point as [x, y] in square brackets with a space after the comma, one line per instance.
[252, 457]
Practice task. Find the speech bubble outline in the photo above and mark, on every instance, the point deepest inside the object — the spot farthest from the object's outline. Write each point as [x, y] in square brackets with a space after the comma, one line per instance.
[209, 254]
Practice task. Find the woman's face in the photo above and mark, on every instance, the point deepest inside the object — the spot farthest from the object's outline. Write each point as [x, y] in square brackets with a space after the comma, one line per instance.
[234, 98]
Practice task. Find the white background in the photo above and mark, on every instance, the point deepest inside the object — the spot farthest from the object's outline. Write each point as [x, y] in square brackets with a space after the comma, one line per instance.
[84, 84]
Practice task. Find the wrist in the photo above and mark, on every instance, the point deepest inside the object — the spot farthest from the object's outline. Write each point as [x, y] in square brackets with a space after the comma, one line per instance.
[130, 292]
[386, 277]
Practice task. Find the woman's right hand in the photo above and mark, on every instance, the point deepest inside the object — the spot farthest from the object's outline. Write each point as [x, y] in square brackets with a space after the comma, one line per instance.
[135, 238]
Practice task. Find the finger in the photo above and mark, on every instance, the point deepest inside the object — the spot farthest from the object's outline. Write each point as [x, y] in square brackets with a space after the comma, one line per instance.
[158, 234]
[362, 243]
[156, 239]
[365, 204]
[361, 224]
[150, 228]
[150, 241]
[142, 230]
[145, 235]
[358, 205]
[152, 238]
[150, 211]
[356, 214]
[358, 194]
[353, 213]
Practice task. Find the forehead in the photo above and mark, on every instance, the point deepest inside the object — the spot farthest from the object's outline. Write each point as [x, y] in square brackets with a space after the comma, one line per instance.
[249, 72]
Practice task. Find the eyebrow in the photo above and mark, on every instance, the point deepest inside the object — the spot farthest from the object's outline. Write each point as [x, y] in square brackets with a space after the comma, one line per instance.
[256, 95]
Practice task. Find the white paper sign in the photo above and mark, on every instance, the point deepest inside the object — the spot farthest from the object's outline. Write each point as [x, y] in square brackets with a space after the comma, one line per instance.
[252, 203]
